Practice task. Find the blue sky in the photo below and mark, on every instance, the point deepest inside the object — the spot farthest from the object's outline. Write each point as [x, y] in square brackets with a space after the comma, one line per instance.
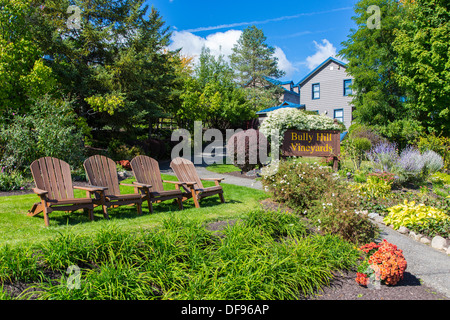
[304, 33]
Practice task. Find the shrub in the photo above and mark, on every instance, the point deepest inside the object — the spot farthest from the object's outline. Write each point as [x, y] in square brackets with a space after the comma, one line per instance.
[247, 149]
[416, 166]
[317, 192]
[432, 162]
[298, 184]
[409, 214]
[117, 150]
[438, 144]
[382, 262]
[363, 131]
[384, 155]
[48, 130]
[378, 185]
[404, 132]
[356, 149]
[337, 212]
[410, 165]
[10, 181]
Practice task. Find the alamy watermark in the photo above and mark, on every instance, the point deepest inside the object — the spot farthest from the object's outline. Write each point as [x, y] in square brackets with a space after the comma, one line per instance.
[256, 153]
[74, 279]
[74, 21]
[374, 21]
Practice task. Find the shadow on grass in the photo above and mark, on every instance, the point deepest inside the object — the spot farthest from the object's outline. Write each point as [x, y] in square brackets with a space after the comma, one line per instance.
[58, 218]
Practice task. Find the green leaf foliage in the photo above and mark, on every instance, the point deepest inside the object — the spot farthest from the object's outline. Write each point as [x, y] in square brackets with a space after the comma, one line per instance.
[423, 46]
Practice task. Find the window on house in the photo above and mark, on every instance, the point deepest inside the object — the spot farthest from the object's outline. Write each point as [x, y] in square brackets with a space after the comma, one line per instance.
[347, 89]
[339, 114]
[316, 91]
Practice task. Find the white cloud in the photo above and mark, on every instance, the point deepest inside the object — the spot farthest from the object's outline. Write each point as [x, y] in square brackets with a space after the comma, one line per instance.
[283, 63]
[324, 51]
[219, 43]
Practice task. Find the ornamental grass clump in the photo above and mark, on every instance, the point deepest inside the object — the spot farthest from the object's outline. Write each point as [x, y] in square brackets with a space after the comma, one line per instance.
[264, 255]
[382, 263]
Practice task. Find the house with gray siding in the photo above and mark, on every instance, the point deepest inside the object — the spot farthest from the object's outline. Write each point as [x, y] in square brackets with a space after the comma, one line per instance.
[326, 89]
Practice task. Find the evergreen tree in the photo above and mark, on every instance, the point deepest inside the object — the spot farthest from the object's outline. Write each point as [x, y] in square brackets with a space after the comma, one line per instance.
[114, 64]
[253, 60]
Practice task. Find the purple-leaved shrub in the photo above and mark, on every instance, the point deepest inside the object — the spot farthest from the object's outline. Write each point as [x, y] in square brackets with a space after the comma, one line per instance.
[247, 148]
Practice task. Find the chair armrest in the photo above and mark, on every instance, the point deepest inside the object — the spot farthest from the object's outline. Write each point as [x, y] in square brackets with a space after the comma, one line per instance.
[143, 185]
[212, 179]
[180, 182]
[90, 188]
[39, 192]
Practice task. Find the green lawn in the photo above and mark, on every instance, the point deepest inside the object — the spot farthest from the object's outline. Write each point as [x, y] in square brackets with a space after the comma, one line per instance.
[17, 228]
[222, 168]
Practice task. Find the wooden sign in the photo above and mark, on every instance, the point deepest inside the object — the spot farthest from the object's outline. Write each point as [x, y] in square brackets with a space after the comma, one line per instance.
[313, 143]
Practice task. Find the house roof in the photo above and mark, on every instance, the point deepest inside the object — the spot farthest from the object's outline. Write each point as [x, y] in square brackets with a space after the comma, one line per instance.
[278, 82]
[309, 75]
[281, 83]
[282, 106]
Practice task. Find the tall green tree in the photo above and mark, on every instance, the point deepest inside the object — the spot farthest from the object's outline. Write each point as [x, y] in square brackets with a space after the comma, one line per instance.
[377, 96]
[114, 64]
[253, 60]
[211, 96]
[423, 62]
[24, 76]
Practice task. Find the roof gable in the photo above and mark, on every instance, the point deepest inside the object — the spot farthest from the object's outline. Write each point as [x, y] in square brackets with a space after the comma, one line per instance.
[318, 68]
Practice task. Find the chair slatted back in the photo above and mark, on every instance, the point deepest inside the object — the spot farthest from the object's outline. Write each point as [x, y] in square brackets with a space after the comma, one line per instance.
[185, 171]
[102, 172]
[146, 170]
[53, 175]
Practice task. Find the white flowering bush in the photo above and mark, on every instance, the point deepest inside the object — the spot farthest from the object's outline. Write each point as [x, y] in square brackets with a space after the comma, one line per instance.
[291, 118]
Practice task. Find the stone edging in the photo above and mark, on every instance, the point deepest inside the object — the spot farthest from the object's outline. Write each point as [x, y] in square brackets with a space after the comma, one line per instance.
[438, 243]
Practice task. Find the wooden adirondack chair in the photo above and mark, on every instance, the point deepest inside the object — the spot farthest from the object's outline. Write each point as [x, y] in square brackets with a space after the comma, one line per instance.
[192, 183]
[55, 188]
[101, 171]
[148, 177]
